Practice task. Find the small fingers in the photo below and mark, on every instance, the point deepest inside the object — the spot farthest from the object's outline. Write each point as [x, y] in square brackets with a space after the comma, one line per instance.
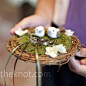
[12, 31]
[74, 64]
[83, 61]
[31, 21]
[22, 24]
[76, 67]
[81, 53]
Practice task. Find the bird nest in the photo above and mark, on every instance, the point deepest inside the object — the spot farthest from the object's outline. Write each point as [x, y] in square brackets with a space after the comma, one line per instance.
[45, 59]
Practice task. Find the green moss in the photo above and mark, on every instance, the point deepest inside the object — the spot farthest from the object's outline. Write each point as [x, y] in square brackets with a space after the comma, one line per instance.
[63, 39]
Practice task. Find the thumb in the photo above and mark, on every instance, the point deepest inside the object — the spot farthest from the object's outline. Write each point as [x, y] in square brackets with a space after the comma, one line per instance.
[31, 21]
[81, 53]
[83, 61]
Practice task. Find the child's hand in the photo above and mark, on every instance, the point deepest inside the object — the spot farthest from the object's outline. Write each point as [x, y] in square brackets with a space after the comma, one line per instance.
[31, 21]
[79, 66]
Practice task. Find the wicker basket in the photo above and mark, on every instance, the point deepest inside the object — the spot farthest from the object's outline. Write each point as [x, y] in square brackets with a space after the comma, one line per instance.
[44, 59]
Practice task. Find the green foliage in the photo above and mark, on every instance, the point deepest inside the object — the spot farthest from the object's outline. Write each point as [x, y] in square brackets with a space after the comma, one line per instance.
[63, 39]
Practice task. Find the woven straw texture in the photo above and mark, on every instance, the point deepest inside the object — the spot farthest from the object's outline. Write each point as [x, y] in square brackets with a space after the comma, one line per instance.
[44, 59]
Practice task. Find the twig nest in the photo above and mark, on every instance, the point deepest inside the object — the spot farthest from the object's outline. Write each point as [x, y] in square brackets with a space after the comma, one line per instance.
[47, 53]
[53, 32]
[40, 31]
[20, 32]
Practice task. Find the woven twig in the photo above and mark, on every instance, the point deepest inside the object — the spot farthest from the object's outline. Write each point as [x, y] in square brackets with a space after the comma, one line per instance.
[44, 59]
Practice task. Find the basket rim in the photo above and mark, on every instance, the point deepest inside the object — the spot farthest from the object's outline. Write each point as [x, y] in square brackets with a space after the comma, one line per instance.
[45, 59]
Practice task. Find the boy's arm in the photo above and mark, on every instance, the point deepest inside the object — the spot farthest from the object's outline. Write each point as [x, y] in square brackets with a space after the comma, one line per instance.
[45, 8]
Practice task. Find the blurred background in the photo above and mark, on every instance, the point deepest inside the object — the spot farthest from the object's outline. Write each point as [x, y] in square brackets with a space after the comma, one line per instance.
[11, 12]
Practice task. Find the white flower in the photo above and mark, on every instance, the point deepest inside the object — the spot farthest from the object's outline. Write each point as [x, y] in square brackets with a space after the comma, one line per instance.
[40, 31]
[61, 48]
[53, 32]
[69, 32]
[53, 51]
[20, 32]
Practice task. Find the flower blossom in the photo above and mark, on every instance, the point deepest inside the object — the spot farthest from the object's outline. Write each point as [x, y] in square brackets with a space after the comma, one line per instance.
[69, 32]
[61, 48]
[20, 32]
[53, 51]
